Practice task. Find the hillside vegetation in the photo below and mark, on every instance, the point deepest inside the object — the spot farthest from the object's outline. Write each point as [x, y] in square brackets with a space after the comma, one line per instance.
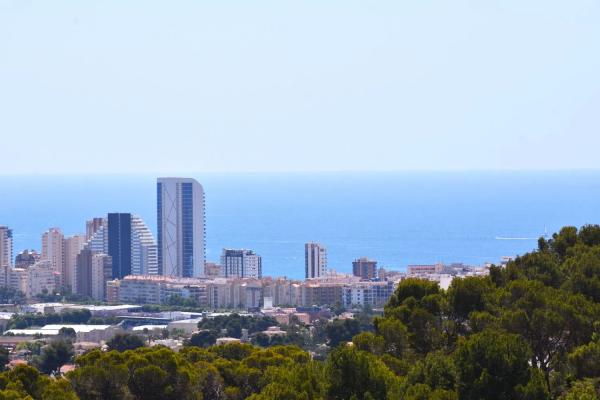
[528, 331]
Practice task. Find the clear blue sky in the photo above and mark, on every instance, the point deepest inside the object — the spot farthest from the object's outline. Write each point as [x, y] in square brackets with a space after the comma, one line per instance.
[143, 86]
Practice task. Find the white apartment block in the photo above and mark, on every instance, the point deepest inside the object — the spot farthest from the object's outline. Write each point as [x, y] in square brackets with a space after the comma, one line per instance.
[41, 278]
[53, 250]
[240, 263]
[315, 260]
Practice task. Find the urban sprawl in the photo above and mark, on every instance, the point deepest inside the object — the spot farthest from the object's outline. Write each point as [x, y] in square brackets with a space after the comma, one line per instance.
[119, 266]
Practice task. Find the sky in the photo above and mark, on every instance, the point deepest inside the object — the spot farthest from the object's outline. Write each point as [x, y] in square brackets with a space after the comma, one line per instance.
[98, 87]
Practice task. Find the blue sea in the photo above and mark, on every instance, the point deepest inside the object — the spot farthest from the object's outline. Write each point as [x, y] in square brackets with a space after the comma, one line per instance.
[395, 218]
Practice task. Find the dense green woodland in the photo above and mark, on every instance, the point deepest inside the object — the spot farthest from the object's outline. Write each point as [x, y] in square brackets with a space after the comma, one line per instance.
[529, 331]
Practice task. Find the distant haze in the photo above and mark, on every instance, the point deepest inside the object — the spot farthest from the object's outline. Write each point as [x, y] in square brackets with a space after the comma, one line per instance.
[159, 87]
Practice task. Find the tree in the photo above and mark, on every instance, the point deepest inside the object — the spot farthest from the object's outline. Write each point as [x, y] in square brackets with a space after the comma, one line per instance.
[340, 331]
[492, 365]
[3, 358]
[203, 338]
[67, 333]
[54, 355]
[356, 374]
[125, 341]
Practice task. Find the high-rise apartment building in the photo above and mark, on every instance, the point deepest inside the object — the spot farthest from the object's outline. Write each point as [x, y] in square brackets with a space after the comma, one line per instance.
[84, 272]
[27, 258]
[128, 240]
[119, 243]
[315, 260]
[144, 251]
[92, 226]
[72, 246]
[180, 223]
[364, 268]
[101, 271]
[6, 247]
[241, 263]
[41, 278]
[94, 270]
[53, 251]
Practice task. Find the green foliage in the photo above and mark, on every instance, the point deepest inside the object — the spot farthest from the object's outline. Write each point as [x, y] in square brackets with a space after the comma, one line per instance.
[203, 338]
[3, 358]
[10, 295]
[125, 341]
[234, 323]
[491, 365]
[23, 321]
[54, 355]
[341, 331]
[529, 331]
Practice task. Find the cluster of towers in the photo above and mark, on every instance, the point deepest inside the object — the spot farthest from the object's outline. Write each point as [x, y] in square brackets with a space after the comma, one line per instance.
[121, 244]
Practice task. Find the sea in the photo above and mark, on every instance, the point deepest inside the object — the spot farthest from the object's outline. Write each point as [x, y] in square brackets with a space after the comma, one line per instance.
[396, 218]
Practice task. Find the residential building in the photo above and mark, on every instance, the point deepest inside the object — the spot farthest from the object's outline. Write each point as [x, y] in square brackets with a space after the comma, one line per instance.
[119, 243]
[240, 263]
[72, 246]
[101, 272]
[130, 243]
[364, 268]
[425, 269]
[157, 289]
[41, 278]
[84, 272]
[53, 251]
[181, 231]
[6, 246]
[315, 260]
[375, 294]
[212, 270]
[92, 226]
[27, 258]
[144, 251]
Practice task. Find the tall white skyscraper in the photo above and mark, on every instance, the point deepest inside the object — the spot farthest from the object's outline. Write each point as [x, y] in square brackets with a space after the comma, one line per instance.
[53, 251]
[315, 260]
[6, 247]
[241, 263]
[180, 223]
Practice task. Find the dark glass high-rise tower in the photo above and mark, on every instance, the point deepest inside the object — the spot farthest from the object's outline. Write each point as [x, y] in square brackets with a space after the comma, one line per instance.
[119, 244]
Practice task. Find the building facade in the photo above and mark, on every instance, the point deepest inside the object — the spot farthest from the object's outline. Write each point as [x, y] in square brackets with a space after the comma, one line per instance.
[6, 247]
[72, 246]
[101, 271]
[27, 258]
[364, 268]
[181, 231]
[144, 251]
[41, 278]
[119, 244]
[315, 260]
[53, 251]
[240, 263]
[92, 226]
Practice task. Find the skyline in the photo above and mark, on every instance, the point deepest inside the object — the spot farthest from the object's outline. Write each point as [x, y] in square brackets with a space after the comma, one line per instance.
[278, 86]
[397, 219]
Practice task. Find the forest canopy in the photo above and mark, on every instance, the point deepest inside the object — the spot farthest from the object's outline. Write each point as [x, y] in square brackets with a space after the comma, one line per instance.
[528, 331]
